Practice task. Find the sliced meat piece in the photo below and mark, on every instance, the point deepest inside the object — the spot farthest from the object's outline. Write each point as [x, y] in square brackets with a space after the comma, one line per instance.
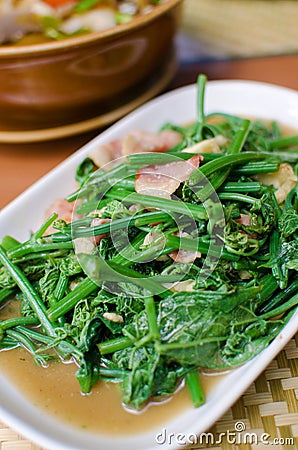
[135, 208]
[134, 142]
[184, 256]
[244, 219]
[181, 286]
[143, 141]
[83, 245]
[106, 153]
[156, 185]
[95, 222]
[113, 317]
[162, 180]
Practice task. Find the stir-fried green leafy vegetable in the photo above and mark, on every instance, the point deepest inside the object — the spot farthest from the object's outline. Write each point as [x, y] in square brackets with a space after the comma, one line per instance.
[144, 287]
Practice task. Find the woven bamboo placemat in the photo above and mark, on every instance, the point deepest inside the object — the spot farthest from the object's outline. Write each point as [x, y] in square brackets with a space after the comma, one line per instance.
[242, 28]
[269, 406]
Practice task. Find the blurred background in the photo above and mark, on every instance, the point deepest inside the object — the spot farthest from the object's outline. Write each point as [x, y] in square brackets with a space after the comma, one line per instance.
[225, 29]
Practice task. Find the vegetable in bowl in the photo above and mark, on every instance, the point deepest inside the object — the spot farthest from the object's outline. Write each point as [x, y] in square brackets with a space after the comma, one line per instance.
[144, 287]
[59, 19]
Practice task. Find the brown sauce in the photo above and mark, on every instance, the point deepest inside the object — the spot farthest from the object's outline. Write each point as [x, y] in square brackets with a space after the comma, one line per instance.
[55, 390]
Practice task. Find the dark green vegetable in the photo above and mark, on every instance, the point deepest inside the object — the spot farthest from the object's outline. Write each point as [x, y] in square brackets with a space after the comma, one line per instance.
[148, 290]
[194, 386]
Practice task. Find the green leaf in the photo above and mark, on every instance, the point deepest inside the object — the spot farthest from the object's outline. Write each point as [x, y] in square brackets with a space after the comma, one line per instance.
[84, 169]
[89, 370]
[288, 223]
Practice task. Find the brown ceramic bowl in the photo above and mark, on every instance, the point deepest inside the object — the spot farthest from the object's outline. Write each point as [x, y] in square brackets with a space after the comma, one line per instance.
[72, 81]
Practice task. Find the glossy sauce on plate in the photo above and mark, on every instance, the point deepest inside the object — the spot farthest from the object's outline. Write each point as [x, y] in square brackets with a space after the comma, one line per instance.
[56, 391]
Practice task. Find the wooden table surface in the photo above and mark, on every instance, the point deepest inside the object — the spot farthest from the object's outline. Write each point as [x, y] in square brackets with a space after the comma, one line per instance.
[22, 164]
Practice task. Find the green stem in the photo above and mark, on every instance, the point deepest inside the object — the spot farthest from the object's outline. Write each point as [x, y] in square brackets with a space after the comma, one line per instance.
[59, 292]
[242, 188]
[280, 309]
[61, 286]
[219, 163]
[43, 255]
[236, 197]
[256, 168]
[195, 389]
[65, 348]
[164, 348]
[194, 245]
[288, 141]
[274, 251]
[39, 233]
[4, 293]
[183, 155]
[235, 147]
[152, 318]
[197, 212]
[269, 286]
[290, 156]
[8, 343]
[201, 84]
[102, 271]
[85, 288]
[23, 340]
[92, 205]
[35, 247]
[28, 345]
[281, 297]
[25, 286]
[127, 254]
[220, 177]
[119, 224]
[14, 322]
[111, 375]
[133, 256]
[139, 160]
[239, 138]
[35, 335]
[114, 345]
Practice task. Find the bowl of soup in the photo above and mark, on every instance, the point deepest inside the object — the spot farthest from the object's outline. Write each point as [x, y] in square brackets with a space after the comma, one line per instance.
[65, 63]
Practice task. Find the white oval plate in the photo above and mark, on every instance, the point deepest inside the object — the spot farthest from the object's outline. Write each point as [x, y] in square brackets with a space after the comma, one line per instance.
[25, 213]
